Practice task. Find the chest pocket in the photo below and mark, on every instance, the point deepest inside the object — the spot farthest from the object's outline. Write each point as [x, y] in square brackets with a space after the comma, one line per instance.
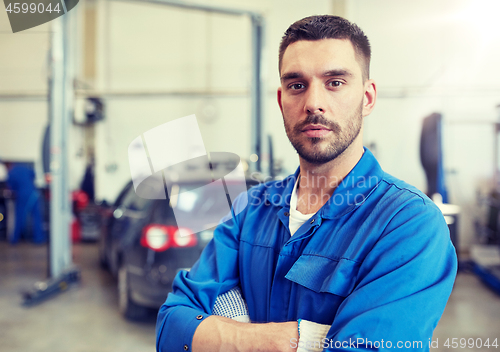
[322, 274]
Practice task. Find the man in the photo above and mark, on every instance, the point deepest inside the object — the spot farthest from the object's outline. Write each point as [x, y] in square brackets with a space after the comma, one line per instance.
[340, 243]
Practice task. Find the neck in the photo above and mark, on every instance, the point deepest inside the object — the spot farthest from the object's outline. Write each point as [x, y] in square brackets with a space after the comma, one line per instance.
[319, 181]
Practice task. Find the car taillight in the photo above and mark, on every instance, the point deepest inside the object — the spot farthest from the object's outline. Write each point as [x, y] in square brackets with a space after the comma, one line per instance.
[184, 238]
[155, 237]
[160, 237]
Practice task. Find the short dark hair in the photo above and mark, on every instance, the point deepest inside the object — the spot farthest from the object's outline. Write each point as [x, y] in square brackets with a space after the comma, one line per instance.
[329, 27]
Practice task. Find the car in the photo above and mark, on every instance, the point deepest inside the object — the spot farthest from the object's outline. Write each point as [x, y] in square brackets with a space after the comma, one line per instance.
[142, 245]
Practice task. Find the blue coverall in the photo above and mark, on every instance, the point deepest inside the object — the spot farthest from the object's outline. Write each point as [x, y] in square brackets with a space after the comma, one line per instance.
[375, 262]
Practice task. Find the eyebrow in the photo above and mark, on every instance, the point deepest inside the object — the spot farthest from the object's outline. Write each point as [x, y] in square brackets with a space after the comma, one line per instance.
[330, 73]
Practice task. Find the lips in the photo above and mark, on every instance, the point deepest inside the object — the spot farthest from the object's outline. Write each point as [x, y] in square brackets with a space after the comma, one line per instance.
[315, 131]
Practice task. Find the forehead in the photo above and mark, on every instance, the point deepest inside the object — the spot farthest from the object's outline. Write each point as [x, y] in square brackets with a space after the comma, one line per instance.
[324, 54]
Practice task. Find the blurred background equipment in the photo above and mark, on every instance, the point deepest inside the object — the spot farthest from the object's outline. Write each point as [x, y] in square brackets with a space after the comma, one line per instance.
[485, 255]
[4, 195]
[431, 157]
[21, 180]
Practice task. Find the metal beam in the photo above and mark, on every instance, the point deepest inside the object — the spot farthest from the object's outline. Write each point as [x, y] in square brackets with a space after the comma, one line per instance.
[257, 83]
[257, 21]
[60, 104]
[200, 7]
[43, 95]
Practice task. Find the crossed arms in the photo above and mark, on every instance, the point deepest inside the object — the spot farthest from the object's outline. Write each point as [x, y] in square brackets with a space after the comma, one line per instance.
[397, 292]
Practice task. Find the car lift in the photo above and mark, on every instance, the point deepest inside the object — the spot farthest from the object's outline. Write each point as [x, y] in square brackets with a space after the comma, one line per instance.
[485, 258]
[43, 290]
[63, 273]
[61, 94]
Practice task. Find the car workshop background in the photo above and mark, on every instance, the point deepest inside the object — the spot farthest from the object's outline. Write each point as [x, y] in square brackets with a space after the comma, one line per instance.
[149, 63]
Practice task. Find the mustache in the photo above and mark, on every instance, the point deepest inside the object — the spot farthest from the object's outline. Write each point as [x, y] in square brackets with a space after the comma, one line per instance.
[317, 119]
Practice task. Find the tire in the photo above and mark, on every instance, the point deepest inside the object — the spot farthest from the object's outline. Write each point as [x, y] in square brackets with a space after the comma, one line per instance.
[128, 308]
[103, 261]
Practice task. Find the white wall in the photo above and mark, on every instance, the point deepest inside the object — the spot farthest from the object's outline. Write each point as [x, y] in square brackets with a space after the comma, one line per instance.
[23, 99]
[152, 48]
[23, 60]
[435, 56]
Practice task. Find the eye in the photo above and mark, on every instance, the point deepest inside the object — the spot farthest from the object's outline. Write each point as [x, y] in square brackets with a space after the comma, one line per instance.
[335, 83]
[296, 86]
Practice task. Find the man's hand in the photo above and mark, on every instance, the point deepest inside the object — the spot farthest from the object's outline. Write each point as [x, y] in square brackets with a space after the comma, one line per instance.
[221, 334]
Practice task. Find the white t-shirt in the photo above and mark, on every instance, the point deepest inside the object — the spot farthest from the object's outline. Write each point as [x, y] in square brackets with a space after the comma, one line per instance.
[296, 217]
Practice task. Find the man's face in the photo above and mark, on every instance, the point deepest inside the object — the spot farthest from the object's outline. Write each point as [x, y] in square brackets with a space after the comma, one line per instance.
[322, 98]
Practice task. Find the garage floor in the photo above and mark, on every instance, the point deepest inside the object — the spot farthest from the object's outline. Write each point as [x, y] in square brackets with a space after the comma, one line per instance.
[86, 318]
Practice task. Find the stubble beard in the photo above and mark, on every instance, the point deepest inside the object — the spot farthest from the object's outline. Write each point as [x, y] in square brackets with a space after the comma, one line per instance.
[311, 151]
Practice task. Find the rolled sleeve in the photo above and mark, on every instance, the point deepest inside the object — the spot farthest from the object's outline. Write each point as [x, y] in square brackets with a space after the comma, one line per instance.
[183, 322]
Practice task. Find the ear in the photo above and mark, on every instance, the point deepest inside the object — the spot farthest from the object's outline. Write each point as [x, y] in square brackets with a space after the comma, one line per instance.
[279, 99]
[370, 97]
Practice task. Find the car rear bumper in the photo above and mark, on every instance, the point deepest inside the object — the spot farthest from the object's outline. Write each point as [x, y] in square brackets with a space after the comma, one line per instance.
[149, 287]
[149, 284]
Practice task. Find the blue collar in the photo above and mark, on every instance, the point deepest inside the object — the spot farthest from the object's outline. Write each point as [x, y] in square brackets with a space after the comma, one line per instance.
[352, 192]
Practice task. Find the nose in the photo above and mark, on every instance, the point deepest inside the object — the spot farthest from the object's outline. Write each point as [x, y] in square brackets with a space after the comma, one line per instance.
[314, 100]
